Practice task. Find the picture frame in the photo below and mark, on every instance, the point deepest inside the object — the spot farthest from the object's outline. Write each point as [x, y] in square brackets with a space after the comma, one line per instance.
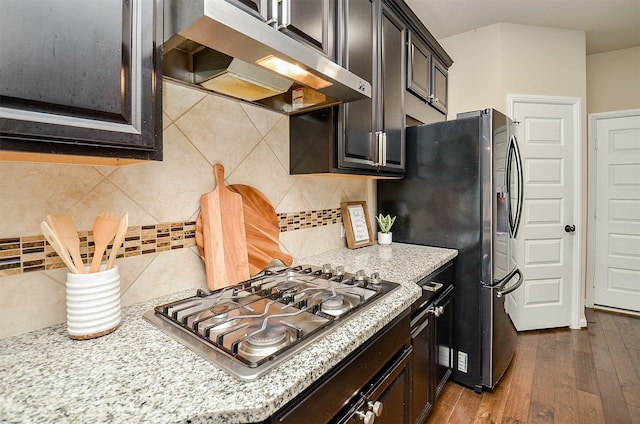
[357, 225]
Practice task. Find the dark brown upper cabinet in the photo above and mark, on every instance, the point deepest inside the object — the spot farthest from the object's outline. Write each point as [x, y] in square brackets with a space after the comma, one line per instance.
[427, 76]
[81, 78]
[311, 22]
[371, 134]
[367, 137]
[364, 137]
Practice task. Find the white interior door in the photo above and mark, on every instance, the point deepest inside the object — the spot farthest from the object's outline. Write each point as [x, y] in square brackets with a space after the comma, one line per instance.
[549, 139]
[617, 215]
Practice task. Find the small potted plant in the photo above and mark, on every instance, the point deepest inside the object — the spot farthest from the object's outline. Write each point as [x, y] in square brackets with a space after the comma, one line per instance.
[384, 225]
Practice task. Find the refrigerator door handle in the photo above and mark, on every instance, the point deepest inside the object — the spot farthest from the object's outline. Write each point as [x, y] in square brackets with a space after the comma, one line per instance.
[520, 186]
[502, 291]
[514, 153]
[500, 283]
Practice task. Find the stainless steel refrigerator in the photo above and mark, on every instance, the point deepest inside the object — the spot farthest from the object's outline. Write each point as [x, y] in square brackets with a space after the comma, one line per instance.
[463, 190]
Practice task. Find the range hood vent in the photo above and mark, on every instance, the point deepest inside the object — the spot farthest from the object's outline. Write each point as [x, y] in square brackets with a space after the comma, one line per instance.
[218, 47]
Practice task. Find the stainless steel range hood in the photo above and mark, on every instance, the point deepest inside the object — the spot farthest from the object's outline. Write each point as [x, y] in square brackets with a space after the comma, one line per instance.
[219, 47]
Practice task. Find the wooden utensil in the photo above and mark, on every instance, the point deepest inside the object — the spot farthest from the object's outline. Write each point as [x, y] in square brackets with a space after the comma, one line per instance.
[104, 228]
[64, 227]
[224, 238]
[57, 246]
[261, 227]
[117, 242]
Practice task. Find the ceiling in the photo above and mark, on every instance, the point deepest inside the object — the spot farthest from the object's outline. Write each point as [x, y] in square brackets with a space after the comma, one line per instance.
[608, 24]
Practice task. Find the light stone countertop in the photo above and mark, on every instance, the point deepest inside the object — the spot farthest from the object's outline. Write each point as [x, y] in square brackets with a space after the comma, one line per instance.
[138, 374]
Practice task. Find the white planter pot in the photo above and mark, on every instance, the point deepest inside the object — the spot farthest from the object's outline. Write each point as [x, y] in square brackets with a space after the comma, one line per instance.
[384, 238]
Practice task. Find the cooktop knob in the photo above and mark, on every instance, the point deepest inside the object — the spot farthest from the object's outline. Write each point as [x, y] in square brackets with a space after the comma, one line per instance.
[326, 269]
[360, 275]
[339, 270]
[375, 279]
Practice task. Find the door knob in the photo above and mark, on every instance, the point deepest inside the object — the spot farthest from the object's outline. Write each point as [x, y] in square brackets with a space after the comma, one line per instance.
[569, 228]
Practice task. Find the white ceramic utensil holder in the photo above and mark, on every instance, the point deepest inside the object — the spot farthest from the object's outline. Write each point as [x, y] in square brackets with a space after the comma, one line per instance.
[93, 304]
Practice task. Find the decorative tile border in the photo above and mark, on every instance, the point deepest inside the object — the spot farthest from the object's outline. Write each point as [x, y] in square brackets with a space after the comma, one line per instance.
[307, 219]
[32, 253]
[26, 254]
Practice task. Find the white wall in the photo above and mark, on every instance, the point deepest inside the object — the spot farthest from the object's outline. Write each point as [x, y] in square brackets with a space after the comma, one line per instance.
[613, 80]
[475, 77]
[501, 59]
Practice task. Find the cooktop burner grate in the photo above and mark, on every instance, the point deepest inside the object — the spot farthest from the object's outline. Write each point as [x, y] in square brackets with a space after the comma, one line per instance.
[250, 327]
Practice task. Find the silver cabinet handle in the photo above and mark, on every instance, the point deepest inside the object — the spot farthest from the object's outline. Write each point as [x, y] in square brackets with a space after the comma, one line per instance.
[376, 139]
[273, 20]
[381, 153]
[375, 407]
[384, 149]
[366, 417]
[437, 311]
[286, 14]
[379, 136]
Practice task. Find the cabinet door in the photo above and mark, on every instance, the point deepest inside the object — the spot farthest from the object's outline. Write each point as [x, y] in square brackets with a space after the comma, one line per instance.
[393, 392]
[422, 373]
[258, 8]
[357, 147]
[419, 69]
[439, 85]
[312, 22]
[81, 86]
[442, 346]
[426, 75]
[375, 50]
[392, 89]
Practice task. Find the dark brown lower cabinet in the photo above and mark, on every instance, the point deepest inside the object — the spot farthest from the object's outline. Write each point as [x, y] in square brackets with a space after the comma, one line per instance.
[443, 360]
[388, 398]
[371, 384]
[431, 337]
[422, 397]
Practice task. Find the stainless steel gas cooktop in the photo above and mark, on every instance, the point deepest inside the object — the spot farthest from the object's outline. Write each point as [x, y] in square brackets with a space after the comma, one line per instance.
[249, 328]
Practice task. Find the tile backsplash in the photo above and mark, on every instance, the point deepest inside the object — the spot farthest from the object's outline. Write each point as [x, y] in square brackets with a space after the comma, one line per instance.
[200, 129]
[33, 253]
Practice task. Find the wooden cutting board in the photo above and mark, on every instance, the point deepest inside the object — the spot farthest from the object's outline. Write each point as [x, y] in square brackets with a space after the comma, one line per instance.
[261, 226]
[224, 239]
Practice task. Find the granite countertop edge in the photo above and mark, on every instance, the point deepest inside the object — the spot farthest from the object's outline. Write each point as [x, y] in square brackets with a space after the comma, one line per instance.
[137, 371]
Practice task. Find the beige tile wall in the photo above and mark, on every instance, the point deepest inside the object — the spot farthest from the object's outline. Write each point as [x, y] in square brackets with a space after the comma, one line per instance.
[199, 130]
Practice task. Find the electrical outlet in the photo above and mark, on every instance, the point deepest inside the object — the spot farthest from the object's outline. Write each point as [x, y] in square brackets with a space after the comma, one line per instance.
[462, 361]
[343, 234]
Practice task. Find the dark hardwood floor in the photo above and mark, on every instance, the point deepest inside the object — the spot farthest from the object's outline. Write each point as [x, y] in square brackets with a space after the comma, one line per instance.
[560, 376]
